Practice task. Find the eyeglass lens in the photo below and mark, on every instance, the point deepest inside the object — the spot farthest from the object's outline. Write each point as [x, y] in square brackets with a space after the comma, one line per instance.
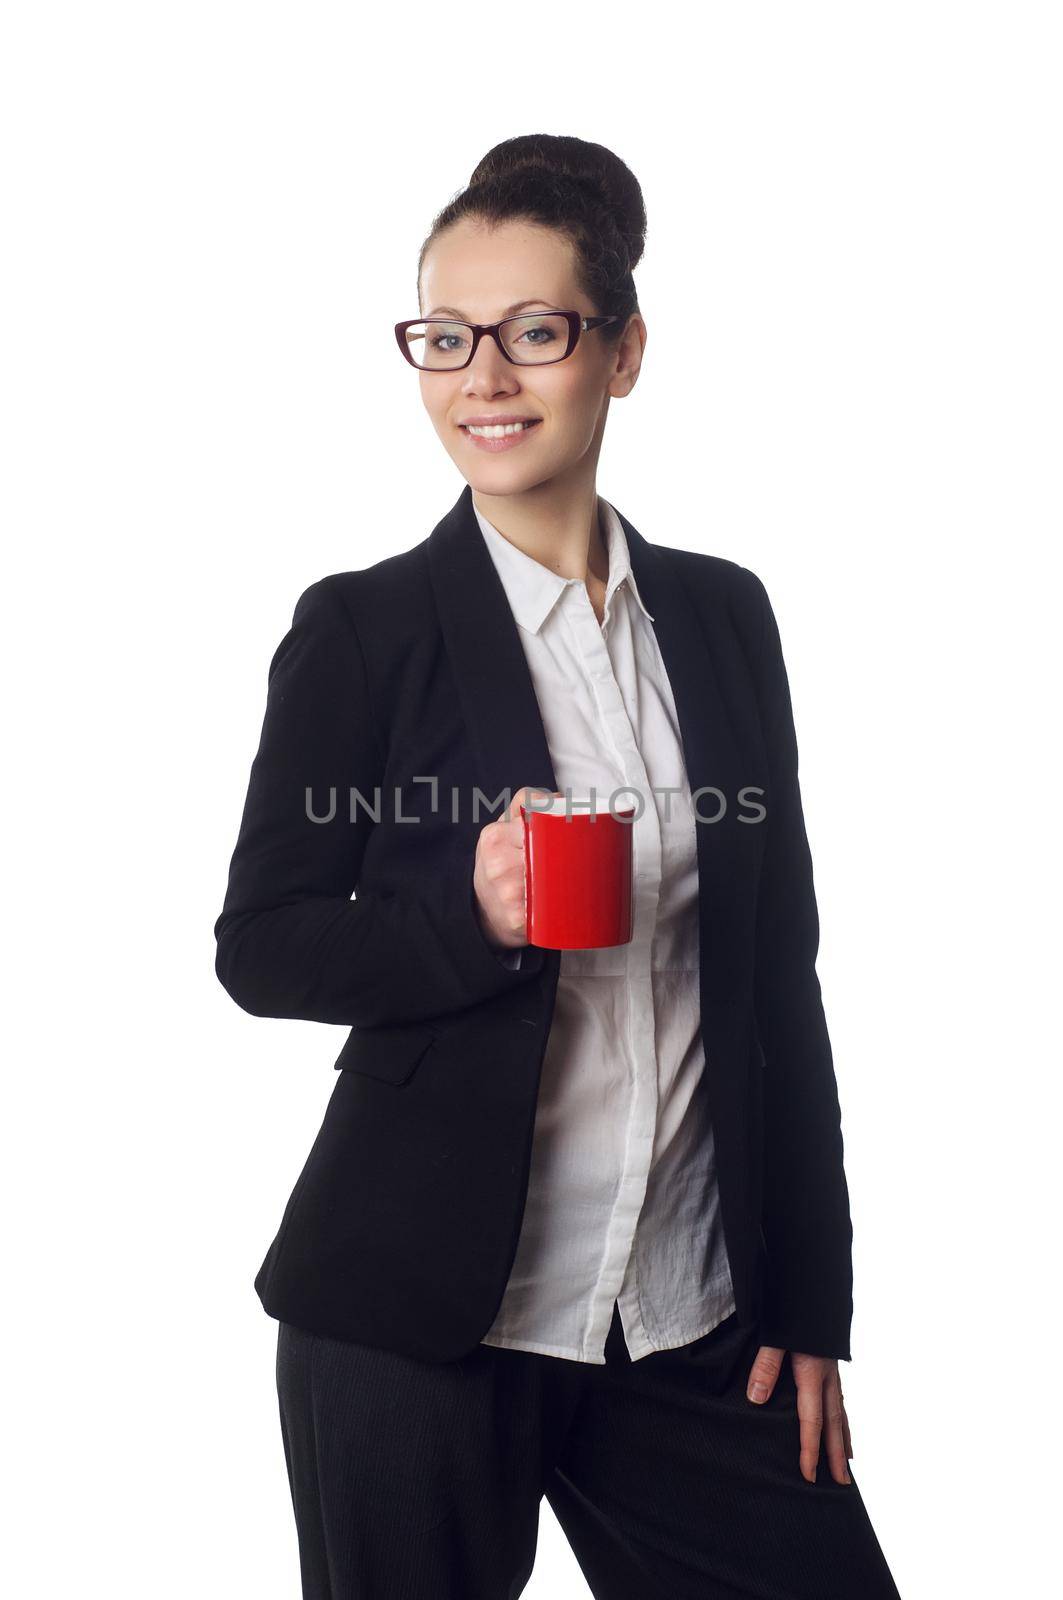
[530, 340]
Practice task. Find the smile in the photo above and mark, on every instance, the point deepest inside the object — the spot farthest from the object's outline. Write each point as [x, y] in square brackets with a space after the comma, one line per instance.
[498, 431]
[499, 436]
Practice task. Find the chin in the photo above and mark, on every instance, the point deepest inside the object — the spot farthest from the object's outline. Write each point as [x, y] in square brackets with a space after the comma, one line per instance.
[501, 477]
[498, 482]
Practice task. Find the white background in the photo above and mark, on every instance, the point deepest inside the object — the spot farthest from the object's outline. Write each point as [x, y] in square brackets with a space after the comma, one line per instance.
[852, 385]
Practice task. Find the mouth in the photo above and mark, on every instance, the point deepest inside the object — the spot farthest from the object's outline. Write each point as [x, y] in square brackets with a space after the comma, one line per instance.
[499, 436]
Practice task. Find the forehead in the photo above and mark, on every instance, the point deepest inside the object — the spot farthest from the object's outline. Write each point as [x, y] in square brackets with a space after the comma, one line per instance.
[481, 272]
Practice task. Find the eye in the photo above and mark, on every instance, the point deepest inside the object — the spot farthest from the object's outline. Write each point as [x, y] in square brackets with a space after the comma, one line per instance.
[548, 336]
[438, 341]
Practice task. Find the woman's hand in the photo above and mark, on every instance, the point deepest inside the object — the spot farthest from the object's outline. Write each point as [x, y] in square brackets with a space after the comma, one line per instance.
[498, 877]
[819, 1402]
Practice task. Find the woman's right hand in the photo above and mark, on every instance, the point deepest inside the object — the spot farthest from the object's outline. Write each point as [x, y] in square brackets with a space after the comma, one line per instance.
[498, 877]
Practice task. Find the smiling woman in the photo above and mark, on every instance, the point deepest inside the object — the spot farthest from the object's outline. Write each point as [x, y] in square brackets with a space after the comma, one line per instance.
[576, 1221]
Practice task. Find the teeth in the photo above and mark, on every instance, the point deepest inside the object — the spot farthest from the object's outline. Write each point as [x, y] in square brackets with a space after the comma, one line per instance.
[498, 432]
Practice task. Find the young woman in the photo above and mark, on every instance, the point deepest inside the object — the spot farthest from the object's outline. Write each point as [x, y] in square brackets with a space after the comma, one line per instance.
[576, 1222]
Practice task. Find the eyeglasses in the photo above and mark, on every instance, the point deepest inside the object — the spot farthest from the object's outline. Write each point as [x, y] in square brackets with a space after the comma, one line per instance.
[536, 339]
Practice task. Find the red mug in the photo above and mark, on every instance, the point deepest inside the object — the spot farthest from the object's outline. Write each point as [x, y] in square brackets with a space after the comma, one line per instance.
[577, 874]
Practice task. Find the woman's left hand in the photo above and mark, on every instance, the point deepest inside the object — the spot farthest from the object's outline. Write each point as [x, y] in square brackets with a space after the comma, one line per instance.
[820, 1406]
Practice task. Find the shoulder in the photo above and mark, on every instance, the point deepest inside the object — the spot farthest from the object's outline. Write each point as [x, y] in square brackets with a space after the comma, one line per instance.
[398, 585]
[716, 573]
[725, 593]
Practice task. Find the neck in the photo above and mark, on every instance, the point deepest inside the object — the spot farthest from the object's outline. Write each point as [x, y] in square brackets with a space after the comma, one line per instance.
[558, 526]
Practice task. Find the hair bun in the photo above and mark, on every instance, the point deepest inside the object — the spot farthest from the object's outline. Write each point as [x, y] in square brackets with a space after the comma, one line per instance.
[583, 192]
[591, 169]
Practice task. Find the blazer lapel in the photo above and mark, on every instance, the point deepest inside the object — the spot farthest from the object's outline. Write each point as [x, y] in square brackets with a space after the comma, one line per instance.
[709, 743]
[497, 695]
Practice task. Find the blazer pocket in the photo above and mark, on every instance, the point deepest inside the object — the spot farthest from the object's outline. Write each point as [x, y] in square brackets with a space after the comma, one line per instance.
[392, 1054]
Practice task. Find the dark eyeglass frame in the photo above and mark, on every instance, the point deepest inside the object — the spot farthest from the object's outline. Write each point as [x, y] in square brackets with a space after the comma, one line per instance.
[577, 324]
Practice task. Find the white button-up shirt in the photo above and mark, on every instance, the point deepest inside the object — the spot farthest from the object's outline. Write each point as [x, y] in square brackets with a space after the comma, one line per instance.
[622, 1201]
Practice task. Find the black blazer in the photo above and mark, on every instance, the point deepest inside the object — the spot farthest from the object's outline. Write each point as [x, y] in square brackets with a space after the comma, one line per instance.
[402, 1226]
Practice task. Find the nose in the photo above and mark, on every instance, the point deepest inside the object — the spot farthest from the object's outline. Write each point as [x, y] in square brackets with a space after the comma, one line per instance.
[489, 373]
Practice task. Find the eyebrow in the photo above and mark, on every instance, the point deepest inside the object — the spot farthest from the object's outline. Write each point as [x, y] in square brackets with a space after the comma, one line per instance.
[519, 305]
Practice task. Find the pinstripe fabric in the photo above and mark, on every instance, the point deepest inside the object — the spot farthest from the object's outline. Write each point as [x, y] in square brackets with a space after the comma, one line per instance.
[421, 1481]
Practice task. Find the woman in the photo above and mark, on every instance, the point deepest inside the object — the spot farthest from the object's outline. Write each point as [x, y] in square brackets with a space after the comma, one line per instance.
[575, 1223]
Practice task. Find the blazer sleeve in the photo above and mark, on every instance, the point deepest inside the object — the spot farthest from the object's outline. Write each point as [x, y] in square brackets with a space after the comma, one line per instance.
[291, 942]
[806, 1219]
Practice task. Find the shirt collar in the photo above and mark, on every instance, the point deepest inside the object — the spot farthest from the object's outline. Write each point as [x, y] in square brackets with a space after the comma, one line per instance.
[533, 590]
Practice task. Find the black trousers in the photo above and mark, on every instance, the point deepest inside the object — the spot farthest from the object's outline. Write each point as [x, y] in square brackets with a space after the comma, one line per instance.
[421, 1481]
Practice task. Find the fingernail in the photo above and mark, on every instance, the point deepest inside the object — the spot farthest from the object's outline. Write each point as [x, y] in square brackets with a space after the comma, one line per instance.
[757, 1391]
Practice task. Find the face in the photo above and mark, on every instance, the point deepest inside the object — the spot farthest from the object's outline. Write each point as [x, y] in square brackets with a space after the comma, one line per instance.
[478, 273]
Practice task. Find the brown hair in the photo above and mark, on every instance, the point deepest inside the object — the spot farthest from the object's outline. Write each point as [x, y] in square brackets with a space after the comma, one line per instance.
[583, 190]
